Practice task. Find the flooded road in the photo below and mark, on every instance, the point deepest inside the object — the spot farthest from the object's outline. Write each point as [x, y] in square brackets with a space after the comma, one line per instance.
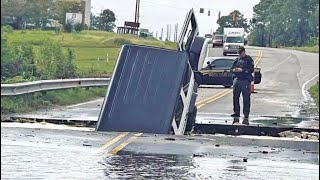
[37, 152]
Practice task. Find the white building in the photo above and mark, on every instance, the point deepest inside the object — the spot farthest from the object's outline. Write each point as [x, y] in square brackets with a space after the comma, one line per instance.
[87, 11]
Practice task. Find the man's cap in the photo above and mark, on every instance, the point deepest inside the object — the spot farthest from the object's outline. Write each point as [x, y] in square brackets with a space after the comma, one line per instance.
[241, 49]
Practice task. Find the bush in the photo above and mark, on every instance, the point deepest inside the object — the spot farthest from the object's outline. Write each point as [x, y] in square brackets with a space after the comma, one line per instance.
[54, 63]
[314, 41]
[16, 61]
[68, 27]
[19, 79]
[6, 29]
[78, 27]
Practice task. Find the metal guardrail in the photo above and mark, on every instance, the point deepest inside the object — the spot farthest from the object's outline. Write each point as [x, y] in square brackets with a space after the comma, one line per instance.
[45, 85]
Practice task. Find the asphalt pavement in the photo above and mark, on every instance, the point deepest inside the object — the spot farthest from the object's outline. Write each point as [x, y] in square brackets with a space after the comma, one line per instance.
[282, 93]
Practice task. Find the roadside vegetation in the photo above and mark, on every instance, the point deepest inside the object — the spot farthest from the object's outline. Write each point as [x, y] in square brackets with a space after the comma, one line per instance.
[312, 49]
[37, 55]
[279, 24]
[314, 91]
[30, 102]
[37, 43]
[30, 55]
[286, 23]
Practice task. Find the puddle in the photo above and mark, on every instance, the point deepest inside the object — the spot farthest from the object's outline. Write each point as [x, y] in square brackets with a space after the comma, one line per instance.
[281, 121]
[146, 166]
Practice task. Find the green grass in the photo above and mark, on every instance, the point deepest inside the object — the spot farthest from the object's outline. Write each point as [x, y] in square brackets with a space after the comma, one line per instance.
[312, 49]
[91, 47]
[314, 91]
[93, 61]
[87, 39]
[30, 102]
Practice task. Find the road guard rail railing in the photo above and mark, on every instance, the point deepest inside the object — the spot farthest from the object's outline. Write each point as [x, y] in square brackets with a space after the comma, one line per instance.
[46, 85]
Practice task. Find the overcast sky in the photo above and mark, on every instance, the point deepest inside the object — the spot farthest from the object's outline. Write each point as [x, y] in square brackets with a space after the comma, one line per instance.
[157, 14]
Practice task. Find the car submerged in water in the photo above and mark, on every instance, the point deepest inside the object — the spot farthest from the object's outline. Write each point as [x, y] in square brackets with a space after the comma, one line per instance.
[216, 71]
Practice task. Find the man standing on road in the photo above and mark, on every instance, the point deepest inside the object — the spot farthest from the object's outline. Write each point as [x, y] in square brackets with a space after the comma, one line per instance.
[242, 70]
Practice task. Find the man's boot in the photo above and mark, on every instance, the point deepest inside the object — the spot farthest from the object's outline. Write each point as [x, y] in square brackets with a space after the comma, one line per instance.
[246, 120]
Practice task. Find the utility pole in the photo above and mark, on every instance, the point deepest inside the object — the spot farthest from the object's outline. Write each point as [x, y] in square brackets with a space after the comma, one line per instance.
[167, 38]
[176, 32]
[162, 34]
[137, 12]
[169, 32]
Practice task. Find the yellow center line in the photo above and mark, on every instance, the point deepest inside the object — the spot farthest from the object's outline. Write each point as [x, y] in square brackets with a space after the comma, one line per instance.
[259, 58]
[124, 144]
[204, 100]
[223, 93]
[214, 99]
[116, 139]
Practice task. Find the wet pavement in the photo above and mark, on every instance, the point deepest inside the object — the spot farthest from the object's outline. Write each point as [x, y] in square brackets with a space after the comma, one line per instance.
[46, 151]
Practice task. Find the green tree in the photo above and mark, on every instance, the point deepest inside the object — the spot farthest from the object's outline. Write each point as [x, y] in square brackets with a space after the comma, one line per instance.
[40, 11]
[31, 11]
[285, 23]
[16, 8]
[106, 20]
[95, 21]
[228, 21]
[60, 9]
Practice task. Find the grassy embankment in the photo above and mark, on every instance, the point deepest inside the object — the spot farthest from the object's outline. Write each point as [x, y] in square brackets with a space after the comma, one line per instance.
[312, 49]
[314, 91]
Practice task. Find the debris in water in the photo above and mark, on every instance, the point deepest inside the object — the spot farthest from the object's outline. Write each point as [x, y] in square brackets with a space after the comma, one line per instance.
[197, 155]
[170, 139]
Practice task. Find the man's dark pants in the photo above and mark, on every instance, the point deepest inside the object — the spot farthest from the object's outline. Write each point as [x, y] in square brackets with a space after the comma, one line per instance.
[241, 86]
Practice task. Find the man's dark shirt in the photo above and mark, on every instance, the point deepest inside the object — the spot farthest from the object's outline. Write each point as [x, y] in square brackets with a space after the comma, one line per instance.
[247, 66]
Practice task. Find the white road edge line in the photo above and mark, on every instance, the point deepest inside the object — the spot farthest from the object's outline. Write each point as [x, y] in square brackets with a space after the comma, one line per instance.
[80, 104]
[304, 92]
[278, 64]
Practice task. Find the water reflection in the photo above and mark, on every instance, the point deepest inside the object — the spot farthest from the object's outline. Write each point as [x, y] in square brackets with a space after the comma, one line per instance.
[144, 166]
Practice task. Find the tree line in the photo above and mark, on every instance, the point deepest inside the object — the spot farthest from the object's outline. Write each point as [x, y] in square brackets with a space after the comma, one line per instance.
[285, 23]
[278, 23]
[38, 13]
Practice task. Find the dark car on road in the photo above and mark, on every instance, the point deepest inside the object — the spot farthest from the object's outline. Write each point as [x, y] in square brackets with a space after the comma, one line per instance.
[217, 40]
[216, 71]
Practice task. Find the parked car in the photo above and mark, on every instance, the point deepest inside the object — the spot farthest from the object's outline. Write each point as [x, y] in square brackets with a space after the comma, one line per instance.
[216, 71]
